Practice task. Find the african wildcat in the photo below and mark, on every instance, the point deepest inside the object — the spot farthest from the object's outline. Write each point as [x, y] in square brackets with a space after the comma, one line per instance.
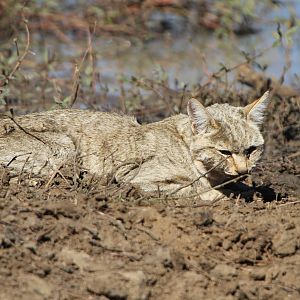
[168, 156]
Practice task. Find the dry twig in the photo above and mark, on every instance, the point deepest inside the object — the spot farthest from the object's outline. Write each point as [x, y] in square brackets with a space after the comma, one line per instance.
[199, 177]
[20, 60]
[289, 203]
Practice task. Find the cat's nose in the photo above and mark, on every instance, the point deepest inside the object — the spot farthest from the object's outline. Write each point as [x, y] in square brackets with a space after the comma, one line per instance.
[242, 171]
[240, 164]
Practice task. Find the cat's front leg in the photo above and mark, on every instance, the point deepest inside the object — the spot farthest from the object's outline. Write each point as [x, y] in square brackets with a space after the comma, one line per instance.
[207, 192]
[211, 195]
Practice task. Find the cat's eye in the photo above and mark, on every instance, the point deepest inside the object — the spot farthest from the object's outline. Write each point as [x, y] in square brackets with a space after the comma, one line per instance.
[225, 152]
[250, 150]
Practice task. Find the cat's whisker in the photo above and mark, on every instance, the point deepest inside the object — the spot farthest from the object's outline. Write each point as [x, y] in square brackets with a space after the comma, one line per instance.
[199, 177]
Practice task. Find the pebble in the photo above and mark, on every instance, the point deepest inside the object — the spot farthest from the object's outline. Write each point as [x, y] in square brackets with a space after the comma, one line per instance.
[224, 271]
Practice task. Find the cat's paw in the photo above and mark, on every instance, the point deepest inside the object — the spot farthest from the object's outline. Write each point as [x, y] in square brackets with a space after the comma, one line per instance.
[212, 195]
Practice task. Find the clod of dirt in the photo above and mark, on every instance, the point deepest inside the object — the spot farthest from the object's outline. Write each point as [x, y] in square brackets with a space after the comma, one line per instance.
[287, 276]
[63, 208]
[35, 288]
[31, 246]
[285, 244]
[258, 274]
[145, 216]
[185, 285]
[81, 259]
[227, 244]
[9, 238]
[203, 218]
[119, 285]
[245, 291]
[224, 271]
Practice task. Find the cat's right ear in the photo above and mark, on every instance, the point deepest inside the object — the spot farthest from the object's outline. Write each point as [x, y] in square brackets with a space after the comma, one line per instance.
[255, 111]
[200, 118]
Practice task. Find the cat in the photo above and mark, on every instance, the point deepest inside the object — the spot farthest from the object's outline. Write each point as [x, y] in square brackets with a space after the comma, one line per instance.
[180, 155]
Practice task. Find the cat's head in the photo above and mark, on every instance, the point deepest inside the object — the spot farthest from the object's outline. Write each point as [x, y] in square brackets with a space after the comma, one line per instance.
[222, 132]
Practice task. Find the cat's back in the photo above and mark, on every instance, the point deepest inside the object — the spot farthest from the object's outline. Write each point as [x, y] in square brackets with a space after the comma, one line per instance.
[51, 137]
[66, 120]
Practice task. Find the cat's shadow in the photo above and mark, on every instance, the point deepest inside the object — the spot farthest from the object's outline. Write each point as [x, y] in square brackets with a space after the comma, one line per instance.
[249, 193]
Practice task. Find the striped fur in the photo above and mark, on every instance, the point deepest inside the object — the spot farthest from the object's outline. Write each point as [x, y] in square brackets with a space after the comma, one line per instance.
[168, 156]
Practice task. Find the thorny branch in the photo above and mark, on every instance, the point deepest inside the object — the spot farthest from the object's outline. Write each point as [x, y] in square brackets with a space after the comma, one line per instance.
[15, 157]
[222, 184]
[20, 60]
[22, 129]
[148, 85]
[77, 70]
[199, 177]
[226, 70]
[55, 172]
[235, 179]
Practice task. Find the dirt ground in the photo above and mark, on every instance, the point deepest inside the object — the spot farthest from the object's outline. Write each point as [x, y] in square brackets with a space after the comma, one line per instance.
[75, 239]
[71, 237]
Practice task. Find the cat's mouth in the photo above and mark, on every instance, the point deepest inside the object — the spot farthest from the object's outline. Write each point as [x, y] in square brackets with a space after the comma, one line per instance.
[240, 176]
[218, 178]
[237, 174]
[237, 171]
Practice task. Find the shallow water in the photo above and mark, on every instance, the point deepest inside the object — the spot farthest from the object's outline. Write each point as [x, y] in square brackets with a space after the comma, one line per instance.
[182, 57]
[180, 54]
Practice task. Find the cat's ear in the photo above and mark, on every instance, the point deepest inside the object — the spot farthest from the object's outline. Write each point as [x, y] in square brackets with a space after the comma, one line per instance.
[255, 111]
[200, 118]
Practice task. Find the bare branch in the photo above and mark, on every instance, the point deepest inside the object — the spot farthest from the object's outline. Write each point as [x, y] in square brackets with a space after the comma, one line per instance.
[22, 57]
[24, 130]
[77, 70]
[198, 178]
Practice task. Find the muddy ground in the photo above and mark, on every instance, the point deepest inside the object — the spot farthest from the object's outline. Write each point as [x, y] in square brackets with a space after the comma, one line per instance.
[68, 238]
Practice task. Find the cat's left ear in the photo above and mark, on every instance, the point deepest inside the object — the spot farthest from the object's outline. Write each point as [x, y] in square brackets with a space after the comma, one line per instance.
[201, 120]
[255, 111]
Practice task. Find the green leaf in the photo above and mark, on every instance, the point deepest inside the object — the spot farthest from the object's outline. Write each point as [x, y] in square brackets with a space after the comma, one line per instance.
[88, 70]
[276, 43]
[291, 30]
[276, 36]
[57, 100]
[289, 41]
[66, 102]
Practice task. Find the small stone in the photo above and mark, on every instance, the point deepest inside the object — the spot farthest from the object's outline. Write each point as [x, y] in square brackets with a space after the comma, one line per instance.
[220, 219]
[214, 242]
[10, 219]
[224, 271]
[289, 226]
[258, 274]
[241, 295]
[79, 258]
[5, 242]
[203, 218]
[231, 287]
[119, 285]
[285, 244]
[33, 182]
[43, 271]
[31, 246]
[38, 286]
[227, 244]
[235, 238]
[272, 273]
